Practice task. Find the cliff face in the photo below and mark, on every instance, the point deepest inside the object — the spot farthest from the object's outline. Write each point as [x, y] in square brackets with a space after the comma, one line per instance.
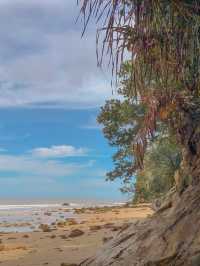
[170, 237]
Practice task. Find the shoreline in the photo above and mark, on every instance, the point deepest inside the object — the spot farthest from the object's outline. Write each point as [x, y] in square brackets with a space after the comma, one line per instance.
[68, 240]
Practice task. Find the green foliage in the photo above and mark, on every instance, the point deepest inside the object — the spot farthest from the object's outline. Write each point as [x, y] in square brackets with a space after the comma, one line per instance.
[163, 41]
[160, 163]
[121, 123]
[122, 120]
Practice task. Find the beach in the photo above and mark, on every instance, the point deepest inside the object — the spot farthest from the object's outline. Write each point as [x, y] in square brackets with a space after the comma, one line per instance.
[61, 235]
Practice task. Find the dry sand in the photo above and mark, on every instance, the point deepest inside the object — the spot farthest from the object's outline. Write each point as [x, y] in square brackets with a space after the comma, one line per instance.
[56, 248]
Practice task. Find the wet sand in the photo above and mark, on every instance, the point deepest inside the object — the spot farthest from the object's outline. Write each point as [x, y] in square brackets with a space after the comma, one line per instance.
[69, 241]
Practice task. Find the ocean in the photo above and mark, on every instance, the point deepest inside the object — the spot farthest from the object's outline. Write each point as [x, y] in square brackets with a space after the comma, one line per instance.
[28, 215]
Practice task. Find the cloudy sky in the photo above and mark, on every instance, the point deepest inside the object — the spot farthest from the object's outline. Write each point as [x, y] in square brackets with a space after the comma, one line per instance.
[50, 93]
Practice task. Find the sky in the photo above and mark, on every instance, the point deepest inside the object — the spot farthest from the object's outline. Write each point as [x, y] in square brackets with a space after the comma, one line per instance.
[50, 94]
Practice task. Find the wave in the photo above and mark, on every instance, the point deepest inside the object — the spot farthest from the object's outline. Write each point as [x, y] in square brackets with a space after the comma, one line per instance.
[70, 205]
[28, 206]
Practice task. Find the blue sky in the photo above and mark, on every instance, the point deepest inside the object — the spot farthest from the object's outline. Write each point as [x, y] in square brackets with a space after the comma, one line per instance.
[50, 94]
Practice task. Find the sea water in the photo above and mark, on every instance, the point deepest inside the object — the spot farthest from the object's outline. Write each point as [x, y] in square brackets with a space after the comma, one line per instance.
[27, 216]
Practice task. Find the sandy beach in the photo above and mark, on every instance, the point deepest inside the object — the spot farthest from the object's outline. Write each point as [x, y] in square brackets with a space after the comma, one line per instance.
[67, 241]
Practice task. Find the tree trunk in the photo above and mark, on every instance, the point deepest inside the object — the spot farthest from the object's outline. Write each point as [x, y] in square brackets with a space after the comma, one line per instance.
[189, 137]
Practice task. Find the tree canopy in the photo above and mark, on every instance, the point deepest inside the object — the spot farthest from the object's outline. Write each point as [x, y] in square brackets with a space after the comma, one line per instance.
[121, 120]
[163, 41]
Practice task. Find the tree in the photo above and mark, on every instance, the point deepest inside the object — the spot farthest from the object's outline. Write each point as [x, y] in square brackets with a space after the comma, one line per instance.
[161, 161]
[163, 40]
[121, 121]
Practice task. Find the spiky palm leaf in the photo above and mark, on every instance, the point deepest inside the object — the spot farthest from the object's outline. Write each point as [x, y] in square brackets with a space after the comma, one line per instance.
[163, 40]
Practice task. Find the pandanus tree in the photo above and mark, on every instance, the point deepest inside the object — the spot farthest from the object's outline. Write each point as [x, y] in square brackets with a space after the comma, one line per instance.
[162, 39]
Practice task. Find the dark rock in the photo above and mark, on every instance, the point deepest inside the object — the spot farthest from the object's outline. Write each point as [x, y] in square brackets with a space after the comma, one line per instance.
[68, 264]
[66, 204]
[95, 227]
[45, 228]
[76, 233]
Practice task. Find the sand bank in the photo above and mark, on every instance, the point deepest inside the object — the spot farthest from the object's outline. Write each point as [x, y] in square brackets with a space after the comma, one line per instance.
[70, 240]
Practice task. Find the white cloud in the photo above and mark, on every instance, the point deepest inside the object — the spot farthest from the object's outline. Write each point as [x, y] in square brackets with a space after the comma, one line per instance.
[59, 151]
[44, 61]
[25, 165]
